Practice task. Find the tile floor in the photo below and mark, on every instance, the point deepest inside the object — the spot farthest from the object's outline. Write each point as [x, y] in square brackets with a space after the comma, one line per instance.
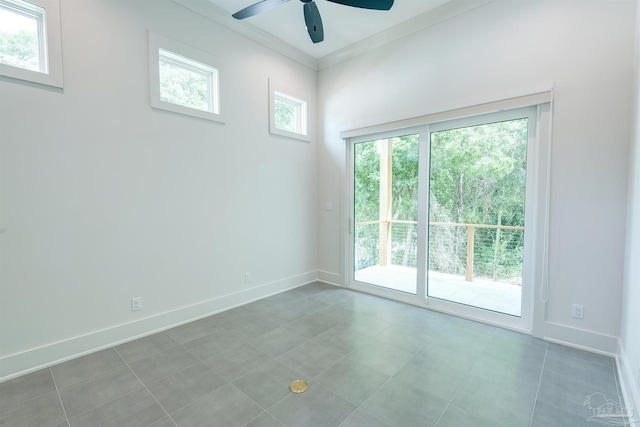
[369, 362]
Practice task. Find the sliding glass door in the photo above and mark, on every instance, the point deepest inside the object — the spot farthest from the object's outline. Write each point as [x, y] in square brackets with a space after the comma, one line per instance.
[385, 198]
[440, 214]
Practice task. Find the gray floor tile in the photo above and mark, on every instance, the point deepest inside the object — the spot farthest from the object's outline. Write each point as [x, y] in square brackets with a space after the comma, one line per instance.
[278, 341]
[229, 318]
[424, 321]
[411, 341]
[311, 358]
[568, 393]
[191, 331]
[343, 340]
[145, 347]
[253, 328]
[164, 422]
[509, 407]
[132, 410]
[312, 289]
[186, 386]
[586, 356]
[600, 376]
[404, 405]
[26, 387]
[457, 417]
[446, 357]
[163, 364]
[461, 338]
[381, 357]
[42, 411]
[317, 407]
[361, 418]
[517, 374]
[361, 324]
[225, 407]
[546, 415]
[330, 296]
[238, 361]
[86, 395]
[352, 380]
[314, 324]
[209, 345]
[517, 348]
[441, 382]
[265, 420]
[86, 367]
[269, 383]
[405, 366]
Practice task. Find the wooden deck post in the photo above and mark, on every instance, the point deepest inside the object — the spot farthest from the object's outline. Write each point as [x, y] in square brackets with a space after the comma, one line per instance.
[470, 243]
[385, 215]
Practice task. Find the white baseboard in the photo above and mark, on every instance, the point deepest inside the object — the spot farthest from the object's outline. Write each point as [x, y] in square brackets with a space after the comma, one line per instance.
[31, 360]
[581, 339]
[628, 384]
[330, 278]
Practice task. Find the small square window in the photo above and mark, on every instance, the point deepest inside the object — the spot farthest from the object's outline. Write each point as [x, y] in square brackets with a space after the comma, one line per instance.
[183, 79]
[30, 43]
[188, 83]
[288, 114]
[22, 36]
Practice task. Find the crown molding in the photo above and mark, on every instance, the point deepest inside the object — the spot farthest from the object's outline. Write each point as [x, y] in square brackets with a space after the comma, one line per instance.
[442, 13]
[222, 17]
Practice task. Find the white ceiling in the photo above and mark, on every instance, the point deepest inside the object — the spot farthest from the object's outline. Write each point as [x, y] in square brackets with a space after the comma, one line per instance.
[343, 25]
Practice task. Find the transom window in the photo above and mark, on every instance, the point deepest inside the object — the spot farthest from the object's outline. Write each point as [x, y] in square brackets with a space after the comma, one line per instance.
[187, 82]
[22, 35]
[31, 42]
[290, 113]
[183, 79]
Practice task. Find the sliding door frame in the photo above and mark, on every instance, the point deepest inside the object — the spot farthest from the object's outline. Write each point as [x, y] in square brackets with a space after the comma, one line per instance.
[421, 254]
[539, 107]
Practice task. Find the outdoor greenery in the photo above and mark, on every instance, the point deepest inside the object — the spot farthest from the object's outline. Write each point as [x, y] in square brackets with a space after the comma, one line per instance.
[20, 49]
[184, 87]
[476, 176]
[285, 115]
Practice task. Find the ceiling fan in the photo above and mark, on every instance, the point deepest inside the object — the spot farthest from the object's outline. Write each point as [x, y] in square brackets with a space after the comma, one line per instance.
[311, 14]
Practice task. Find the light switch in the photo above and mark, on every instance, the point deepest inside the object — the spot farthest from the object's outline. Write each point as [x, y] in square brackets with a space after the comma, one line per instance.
[328, 206]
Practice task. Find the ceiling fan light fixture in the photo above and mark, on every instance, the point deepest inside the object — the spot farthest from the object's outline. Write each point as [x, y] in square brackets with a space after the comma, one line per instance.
[312, 17]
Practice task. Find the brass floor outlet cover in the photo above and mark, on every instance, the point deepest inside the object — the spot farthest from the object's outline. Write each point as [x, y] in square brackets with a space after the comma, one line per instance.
[298, 386]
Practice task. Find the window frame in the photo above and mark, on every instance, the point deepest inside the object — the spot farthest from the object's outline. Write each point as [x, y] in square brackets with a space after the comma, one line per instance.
[49, 43]
[279, 92]
[195, 60]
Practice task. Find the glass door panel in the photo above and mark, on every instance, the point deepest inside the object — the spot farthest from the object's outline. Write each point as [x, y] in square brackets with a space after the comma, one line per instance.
[385, 192]
[477, 192]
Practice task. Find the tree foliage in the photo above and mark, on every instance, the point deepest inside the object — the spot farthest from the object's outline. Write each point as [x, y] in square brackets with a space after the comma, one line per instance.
[20, 49]
[184, 87]
[476, 176]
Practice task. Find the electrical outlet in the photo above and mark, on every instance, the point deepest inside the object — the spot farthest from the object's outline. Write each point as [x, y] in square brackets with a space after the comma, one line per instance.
[136, 304]
[247, 277]
[577, 311]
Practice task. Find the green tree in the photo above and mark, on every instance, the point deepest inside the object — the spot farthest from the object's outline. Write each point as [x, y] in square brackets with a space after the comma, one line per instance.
[184, 87]
[20, 49]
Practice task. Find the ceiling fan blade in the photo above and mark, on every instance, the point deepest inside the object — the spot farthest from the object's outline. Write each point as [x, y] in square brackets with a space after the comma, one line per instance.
[257, 8]
[314, 22]
[366, 4]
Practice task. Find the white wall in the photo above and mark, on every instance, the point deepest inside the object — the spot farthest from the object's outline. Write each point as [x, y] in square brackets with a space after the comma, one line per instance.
[500, 50]
[104, 199]
[630, 333]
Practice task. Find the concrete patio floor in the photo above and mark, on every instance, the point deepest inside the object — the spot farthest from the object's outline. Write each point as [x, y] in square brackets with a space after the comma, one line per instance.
[487, 294]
